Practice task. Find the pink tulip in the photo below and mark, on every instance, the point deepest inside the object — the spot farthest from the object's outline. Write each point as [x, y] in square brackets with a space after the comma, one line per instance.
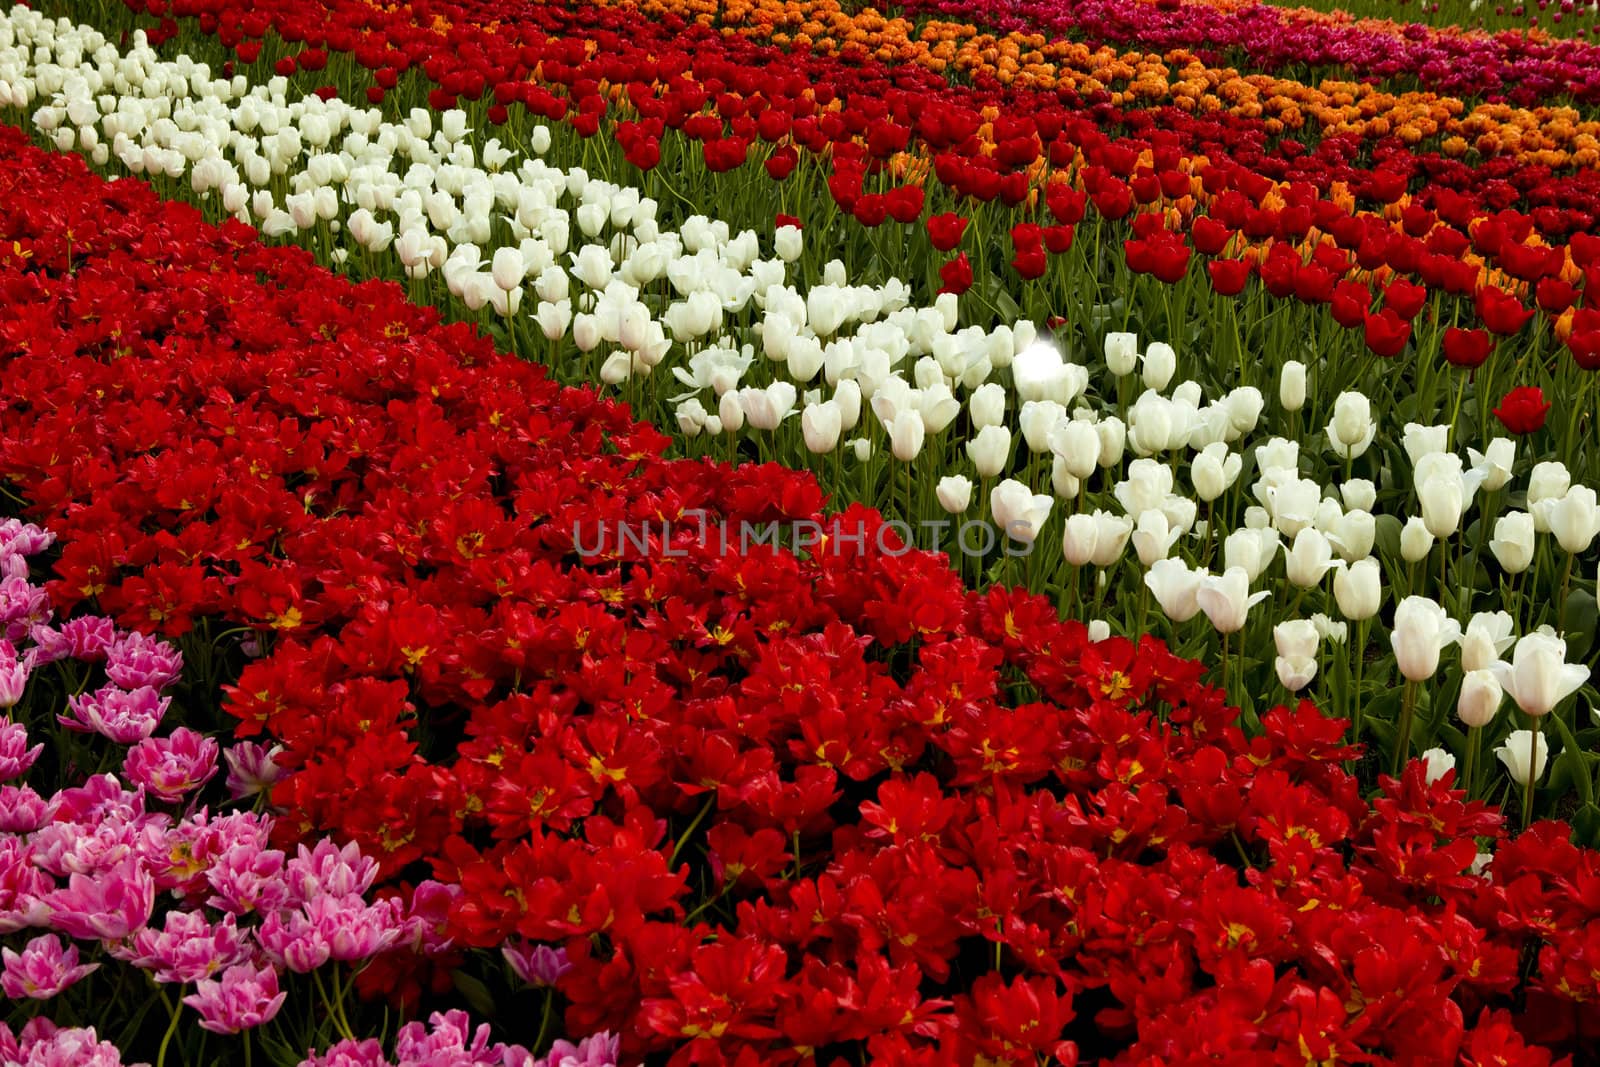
[246, 997]
[42, 969]
[170, 767]
[187, 948]
[123, 716]
[107, 906]
[134, 660]
[250, 768]
[15, 755]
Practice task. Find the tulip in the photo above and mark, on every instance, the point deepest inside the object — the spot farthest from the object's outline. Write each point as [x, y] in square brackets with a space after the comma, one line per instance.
[1152, 538]
[1063, 482]
[1488, 634]
[1227, 599]
[1358, 494]
[1077, 445]
[821, 425]
[1444, 491]
[1416, 540]
[987, 405]
[955, 493]
[1252, 549]
[1513, 541]
[1419, 440]
[1358, 589]
[1038, 421]
[1308, 559]
[1421, 631]
[1353, 535]
[508, 269]
[1160, 363]
[1292, 386]
[1574, 519]
[1018, 510]
[1437, 763]
[1524, 754]
[1479, 700]
[1122, 353]
[1176, 587]
[1214, 470]
[788, 243]
[1494, 463]
[1296, 662]
[989, 450]
[1113, 436]
[1352, 429]
[906, 435]
[1538, 677]
[1548, 482]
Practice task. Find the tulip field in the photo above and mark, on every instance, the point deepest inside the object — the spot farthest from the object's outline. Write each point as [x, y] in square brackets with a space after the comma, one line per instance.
[611, 532]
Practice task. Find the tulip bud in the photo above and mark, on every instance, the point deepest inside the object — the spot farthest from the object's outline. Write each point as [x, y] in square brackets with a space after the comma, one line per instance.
[1548, 482]
[1359, 494]
[989, 450]
[1122, 353]
[1296, 662]
[1538, 676]
[1063, 483]
[987, 405]
[1227, 599]
[1524, 754]
[954, 493]
[1113, 436]
[1018, 510]
[1575, 519]
[1354, 534]
[1252, 549]
[1099, 630]
[1079, 535]
[1420, 440]
[1038, 420]
[821, 424]
[508, 268]
[1358, 589]
[1175, 587]
[731, 411]
[1421, 630]
[1077, 445]
[1214, 470]
[1479, 700]
[1443, 491]
[1352, 429]
[1513, 541]
[862, 449]
[1416, 541]
[1437, 763]
[1292, 386]
[1308, 558]
[1495, 463]
[1160, 363]
[1153, 538]
[1488, 635]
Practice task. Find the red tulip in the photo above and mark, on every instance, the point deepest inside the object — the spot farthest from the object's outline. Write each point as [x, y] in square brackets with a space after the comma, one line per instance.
[1467, 348]
[1058, 239]
[1351, 302]
[944, 231]
[781, 163]
[1386, 333]
[1228, 276]
[1406, 299]
[956, 275]
[1501, 312]
[1029, 262]
[1523, 409]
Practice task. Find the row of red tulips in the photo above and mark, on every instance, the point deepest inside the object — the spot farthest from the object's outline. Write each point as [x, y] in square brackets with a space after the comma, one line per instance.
[777, 808]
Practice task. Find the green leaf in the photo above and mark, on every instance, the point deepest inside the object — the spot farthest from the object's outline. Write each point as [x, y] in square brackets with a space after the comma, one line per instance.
[1586, 825]
[1387, 539]
[474, 992]
[1572, 754]
[1579, 624]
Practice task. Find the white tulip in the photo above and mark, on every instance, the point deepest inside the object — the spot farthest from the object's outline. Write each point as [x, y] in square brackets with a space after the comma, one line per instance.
[1292, 386]
[990, 450]
[788, 242]
[1214, 470]
[1358, 494]
[1574, 519]
[1352, 429]
[1436, 764]
[820, 424]
[1524, 759]
[1513, 541]
[1421, 631]
[1358, 589]
[1539, 676]
[1419, 440]
[1227, 600]
[1548, 482]
[955, 493]
[1018, 511]
[1494, 463]
[1160, 363]
[1353, 535]
[1077, 444]
[1416, 540]
[1308, 559]
[1480, 698]
[987, 405]
[1038, 420]
[1122, 353]
[1153, 538]
[1251, 549]
[1487, 636]
[906, 435]
[1176, 587]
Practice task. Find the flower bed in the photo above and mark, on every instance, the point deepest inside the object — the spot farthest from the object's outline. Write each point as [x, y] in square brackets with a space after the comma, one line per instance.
[769, 804]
